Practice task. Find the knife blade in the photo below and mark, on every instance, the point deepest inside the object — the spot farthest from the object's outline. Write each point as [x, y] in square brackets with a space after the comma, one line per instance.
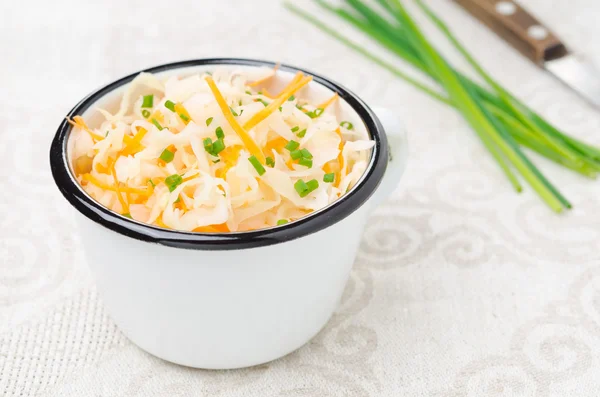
[538, 43]
[578, 74]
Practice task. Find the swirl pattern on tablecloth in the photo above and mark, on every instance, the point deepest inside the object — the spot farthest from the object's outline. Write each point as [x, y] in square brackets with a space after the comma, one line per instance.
[559, 346]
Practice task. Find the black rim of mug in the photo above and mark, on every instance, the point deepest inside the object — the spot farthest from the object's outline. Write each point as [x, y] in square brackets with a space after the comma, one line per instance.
[312, 223]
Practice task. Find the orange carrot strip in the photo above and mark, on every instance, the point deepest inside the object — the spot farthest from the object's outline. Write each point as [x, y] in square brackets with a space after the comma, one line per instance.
[93, 180]
[157, 115]
[340, 159]
[289, 164]
[189, 178]
[102, 169]
[328, 102]
[274, 145]
[181, 205]
[229, 156]
[260, 81]
[264, 113]
[294, 81]
[78, 122]
[231, 153]
[119, 196]
[241, 131]
[105, 169]
[133, 146]
[221, 228]
[180, 109]
[151, 186]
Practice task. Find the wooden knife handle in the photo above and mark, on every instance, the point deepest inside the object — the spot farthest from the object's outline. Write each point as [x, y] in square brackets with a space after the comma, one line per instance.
[518, 27]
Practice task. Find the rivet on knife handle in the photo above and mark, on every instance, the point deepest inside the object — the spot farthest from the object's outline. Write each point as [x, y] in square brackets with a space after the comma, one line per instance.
[518, 27]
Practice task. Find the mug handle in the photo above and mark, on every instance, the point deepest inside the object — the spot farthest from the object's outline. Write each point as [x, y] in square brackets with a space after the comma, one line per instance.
[398, 154]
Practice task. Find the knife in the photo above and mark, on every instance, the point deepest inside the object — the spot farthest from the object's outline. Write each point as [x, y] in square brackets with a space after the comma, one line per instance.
[524, 32]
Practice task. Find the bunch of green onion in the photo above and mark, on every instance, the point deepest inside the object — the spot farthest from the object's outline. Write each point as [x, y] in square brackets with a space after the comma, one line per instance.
[503, 123]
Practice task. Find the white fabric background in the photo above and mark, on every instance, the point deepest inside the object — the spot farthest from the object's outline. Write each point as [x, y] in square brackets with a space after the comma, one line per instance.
[462, 287]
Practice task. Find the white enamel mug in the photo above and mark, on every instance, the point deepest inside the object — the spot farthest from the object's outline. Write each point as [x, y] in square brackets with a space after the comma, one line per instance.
[232, 300]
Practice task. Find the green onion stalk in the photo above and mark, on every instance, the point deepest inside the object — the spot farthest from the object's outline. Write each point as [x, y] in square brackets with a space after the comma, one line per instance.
[503, 123]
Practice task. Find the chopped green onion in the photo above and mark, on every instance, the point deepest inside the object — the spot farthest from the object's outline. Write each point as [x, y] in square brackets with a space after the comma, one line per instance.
[216, 161]
[292, 145]
[167, 156]
[257, 165]
[233, 111]
[248, 92]
[282, 222]
[208, 121]
[217, 147]
[208, 73]
[305, 188]
[313, 184]
[306, 162]
[329, 178]
[152, 183]
[157, 124]
[315, 113]
[146, 113]
[172, 181]
[296, 154]
[306, 154]
[105, 135]
[241, 112]
[280, 109]
[148, 101]
[184, 117]
[220, 133]
[296, 128]
[127, 215]
[263, 102]
[301, 133]
[347, 125]
[291, 98]
[240, 102]
[301, 187]
[170, 105]
[208, 145]
[270, 162]
[260, 92]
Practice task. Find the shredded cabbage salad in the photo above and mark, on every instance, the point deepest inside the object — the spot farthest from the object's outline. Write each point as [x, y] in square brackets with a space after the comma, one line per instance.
[216, 152]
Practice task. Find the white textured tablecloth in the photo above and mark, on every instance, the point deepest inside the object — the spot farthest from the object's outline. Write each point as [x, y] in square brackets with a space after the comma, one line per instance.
[461, 288]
